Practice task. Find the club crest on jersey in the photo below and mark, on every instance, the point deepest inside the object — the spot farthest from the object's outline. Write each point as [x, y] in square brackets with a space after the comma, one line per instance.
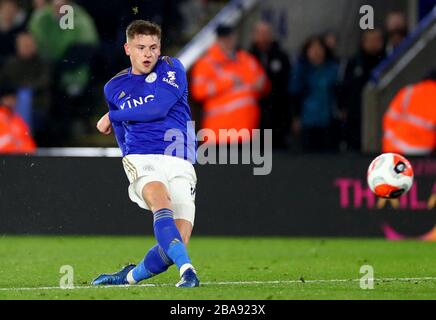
[151, 77]
[171, 78]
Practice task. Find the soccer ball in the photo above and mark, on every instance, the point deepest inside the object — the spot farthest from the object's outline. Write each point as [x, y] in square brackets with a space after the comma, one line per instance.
[390, 175]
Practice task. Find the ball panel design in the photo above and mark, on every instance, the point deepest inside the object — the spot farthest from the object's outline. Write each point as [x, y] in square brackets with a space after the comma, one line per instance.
[390, 175]
[404, 164]
[388, 191]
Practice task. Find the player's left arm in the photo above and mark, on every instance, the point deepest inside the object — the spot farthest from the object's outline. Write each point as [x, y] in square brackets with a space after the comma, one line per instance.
[169, 89]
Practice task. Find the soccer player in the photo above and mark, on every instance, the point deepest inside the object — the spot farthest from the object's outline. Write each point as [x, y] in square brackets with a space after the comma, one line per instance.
[150, 116]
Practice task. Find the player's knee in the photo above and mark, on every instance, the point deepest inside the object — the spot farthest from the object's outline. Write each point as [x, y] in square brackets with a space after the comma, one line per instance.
[156, 196]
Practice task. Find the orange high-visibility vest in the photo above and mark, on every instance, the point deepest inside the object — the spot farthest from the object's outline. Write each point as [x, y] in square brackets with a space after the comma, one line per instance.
[409, 124]
[15, 135]
[224, 87]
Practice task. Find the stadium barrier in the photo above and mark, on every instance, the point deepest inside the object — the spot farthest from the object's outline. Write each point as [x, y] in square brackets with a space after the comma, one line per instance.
[305, 195]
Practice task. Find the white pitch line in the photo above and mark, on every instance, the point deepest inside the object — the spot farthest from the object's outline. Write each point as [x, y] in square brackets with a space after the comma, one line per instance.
[220, 283]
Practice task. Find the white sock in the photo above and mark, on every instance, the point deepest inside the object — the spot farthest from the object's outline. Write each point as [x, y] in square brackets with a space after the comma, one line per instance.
[130, 279]
[185, 267]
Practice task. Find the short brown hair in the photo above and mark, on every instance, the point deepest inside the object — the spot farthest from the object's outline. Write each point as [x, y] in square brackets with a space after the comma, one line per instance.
[144, 27]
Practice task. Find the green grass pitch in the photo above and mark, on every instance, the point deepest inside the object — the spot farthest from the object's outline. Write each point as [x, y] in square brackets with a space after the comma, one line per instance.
[229, 268]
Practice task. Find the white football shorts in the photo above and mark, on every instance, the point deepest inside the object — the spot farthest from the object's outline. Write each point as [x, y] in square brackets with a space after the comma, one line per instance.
[177, 174]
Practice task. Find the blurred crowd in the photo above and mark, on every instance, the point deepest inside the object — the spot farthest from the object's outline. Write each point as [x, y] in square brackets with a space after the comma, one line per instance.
[313, 100]
[52, 78]
[55, 74]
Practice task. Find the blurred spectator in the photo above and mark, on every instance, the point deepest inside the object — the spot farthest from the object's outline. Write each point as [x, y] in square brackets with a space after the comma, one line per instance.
[357, 74]
[331, 41]
[107, 20]
[313, 88]
[195, 16]
[409, 124]
[71, 52]
[396, 30]
[229, 83]
[15, 135]
[27, 70]
[12, 22]
[275, 106]
[71, 49]
[39, 4]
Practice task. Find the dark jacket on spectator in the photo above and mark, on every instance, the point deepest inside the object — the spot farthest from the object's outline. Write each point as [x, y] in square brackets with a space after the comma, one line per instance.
[357, 74]
[275, 107]
[31, 73]
[7, 41]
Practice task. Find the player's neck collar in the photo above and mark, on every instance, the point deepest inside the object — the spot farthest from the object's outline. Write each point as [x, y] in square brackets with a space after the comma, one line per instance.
[142, 75]
[131, 74]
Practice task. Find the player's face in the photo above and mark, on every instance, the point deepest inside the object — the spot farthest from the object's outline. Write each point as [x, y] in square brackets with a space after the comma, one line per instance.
[144, 51]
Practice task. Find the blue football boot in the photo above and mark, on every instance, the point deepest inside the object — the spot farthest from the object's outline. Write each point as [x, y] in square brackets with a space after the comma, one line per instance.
[118, 278]
[188, 280]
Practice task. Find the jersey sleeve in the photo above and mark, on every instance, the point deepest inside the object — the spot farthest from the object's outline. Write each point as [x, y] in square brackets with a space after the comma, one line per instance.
[118, 127]
[174, 76]
[170, 87]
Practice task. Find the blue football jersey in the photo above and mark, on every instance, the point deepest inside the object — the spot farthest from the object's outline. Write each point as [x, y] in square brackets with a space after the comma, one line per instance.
[150, 113]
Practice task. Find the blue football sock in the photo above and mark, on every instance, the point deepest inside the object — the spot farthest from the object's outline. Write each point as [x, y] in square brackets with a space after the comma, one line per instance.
[169, 238]
[155, 262]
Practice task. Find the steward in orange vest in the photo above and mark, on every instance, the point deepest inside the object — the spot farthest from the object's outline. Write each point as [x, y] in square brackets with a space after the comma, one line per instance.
[229, 83]
[15, 135]
[409, 124]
